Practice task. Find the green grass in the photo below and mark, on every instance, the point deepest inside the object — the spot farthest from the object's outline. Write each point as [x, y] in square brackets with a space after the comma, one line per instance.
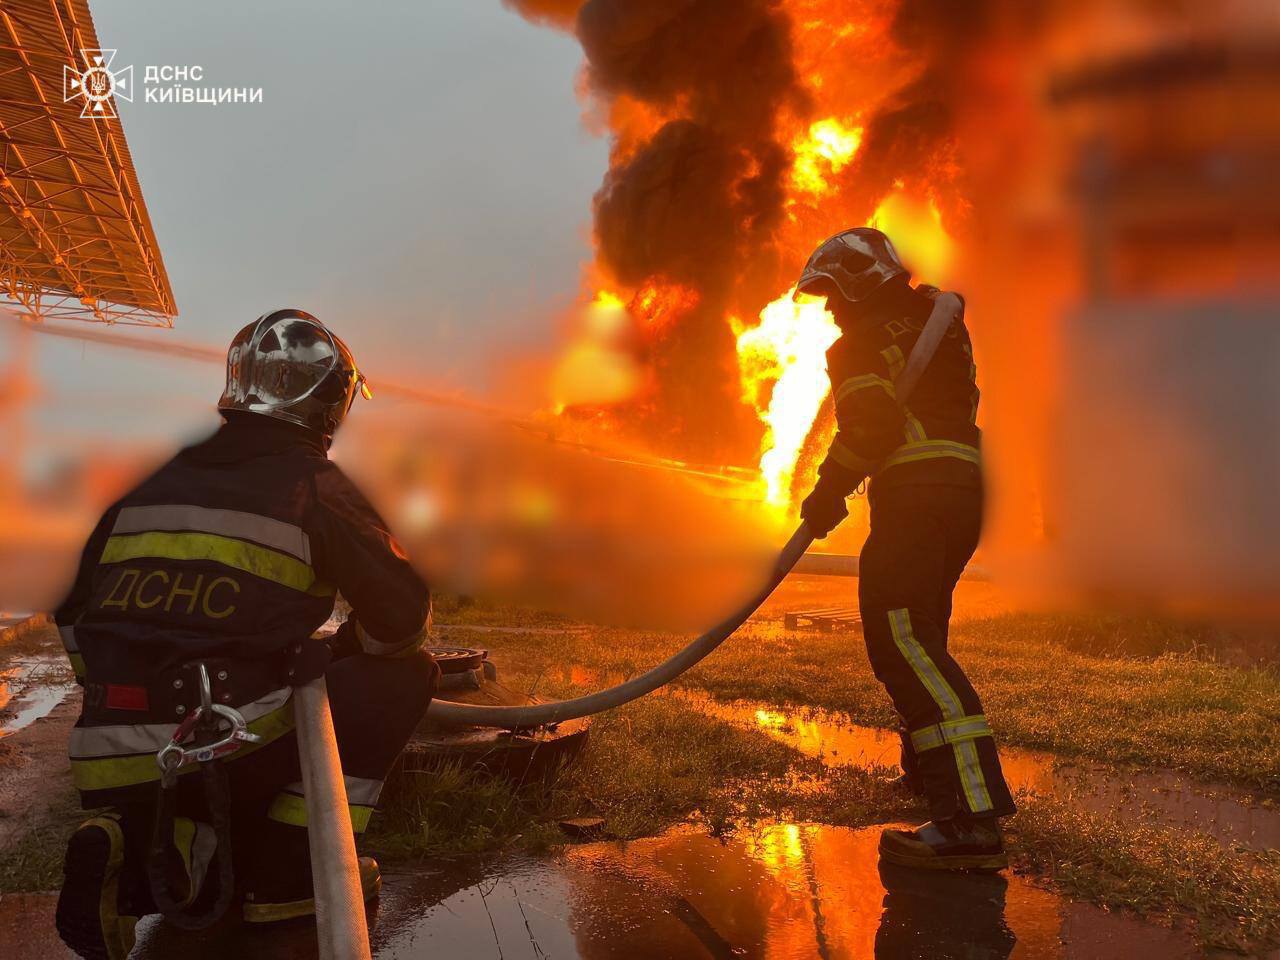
[661, 762]
[1109, 690]
[33, 861]
[647, 766]
[1070, 685]
[1233, 897]
[34, 635]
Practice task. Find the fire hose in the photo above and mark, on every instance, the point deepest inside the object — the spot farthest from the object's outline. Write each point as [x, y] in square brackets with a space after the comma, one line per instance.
[541, 714]
[947, 307]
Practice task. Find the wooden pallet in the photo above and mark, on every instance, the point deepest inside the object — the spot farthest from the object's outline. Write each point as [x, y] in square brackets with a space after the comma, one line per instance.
[826, 619]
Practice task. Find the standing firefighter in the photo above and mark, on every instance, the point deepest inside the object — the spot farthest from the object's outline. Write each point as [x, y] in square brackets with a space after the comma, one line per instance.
[926, 515]
[199, 591]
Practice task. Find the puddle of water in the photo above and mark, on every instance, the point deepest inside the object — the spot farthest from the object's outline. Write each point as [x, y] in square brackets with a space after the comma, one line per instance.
[1222, 812]
[30, 687]
[9, 618]
[785, 891]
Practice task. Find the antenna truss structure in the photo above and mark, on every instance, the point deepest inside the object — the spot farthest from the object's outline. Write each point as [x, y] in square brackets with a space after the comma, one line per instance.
[75, 238]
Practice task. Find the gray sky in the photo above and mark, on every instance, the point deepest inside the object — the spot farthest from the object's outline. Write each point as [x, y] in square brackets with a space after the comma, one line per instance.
[417, 176]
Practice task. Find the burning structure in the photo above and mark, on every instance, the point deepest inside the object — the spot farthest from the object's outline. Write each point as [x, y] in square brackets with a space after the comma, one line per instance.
[741, 135]
[1073, 169]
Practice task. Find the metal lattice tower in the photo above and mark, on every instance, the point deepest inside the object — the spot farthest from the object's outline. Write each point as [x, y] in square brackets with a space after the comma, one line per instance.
[75, 238]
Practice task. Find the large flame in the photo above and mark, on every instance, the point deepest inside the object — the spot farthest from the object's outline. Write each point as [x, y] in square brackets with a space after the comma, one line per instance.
[657, 305]
[710, 207]
[825, 149]
[782, 362]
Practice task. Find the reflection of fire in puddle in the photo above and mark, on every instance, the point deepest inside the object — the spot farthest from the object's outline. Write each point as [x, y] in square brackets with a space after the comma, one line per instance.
[1219, 811]
[785, 891]
[30, 687]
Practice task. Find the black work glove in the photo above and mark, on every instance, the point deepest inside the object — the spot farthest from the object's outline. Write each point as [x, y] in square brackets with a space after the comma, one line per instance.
[824, 508]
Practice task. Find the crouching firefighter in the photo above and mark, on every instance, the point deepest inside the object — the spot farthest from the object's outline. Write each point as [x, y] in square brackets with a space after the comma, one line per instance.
[926, 514]
[191, 617]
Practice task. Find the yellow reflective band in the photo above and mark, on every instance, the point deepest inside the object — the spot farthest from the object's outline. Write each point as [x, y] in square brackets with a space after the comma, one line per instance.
[105, 773]
[926, 739]
[923, 666]
[862, 382]
[292, 809]
[970, 768]
[932, 450]
[842, 455]
[950, 731]
[893, 359]
[966, 754]
[238, 554]
[913, 428]
[184, 837]
[173, 517]
[849, 460]
[77, 665]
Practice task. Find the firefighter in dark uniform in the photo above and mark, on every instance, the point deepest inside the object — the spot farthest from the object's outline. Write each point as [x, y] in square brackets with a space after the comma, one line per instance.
[230, 556]
[926, 514]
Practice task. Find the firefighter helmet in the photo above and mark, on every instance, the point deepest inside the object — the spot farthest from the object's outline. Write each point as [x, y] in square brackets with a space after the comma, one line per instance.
[856, 262]
[290, 366]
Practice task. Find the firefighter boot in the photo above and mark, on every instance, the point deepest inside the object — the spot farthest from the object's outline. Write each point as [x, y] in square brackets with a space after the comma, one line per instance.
[972, 843]
[279, 885]
[94, 916]
[102, 900]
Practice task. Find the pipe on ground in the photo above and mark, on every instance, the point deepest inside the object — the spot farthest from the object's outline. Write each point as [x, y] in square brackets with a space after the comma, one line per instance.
[335, 871]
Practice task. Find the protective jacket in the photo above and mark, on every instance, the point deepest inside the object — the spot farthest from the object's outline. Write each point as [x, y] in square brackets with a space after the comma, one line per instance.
[231, 554]
[934, 439]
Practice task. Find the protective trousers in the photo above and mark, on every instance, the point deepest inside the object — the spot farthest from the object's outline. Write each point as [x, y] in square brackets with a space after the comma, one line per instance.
[376, 703]
[921, 538]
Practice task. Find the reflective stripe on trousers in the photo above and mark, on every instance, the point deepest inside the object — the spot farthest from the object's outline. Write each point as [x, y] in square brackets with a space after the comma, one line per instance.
[968, 765]
[290, 805]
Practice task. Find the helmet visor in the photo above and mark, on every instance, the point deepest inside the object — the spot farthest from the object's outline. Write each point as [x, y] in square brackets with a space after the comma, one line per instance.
[293, 358]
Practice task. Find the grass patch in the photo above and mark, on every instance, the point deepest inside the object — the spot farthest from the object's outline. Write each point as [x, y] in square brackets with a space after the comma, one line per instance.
[32, 862]
[1233, 896]
[647, 766]
[1060, 683]
[34, 635]
[1109, 690]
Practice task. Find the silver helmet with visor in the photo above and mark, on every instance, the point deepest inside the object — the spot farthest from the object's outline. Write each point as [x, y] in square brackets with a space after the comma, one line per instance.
[289, 366]
[855, 262]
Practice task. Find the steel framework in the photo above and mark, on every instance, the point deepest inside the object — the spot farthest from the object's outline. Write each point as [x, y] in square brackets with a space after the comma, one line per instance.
[75, 238]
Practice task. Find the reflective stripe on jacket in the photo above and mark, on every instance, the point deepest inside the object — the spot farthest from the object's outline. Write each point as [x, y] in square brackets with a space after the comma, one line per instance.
[233, 550]
[934, 438]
